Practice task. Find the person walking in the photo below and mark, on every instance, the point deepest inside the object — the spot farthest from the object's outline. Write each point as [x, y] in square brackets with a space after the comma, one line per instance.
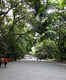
[5, 61]
[0, 62]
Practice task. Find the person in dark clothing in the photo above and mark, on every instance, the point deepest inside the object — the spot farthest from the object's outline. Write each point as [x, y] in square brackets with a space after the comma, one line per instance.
[5, 61]
[0, 62]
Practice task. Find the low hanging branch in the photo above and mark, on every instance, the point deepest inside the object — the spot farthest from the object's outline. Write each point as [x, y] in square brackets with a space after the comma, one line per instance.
[19, 19]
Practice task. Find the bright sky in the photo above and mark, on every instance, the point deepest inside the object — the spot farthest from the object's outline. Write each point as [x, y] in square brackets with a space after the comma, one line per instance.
[64, 7]
[10, 13]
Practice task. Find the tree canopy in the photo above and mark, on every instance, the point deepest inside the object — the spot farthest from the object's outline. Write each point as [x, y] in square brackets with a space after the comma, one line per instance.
[28, 24]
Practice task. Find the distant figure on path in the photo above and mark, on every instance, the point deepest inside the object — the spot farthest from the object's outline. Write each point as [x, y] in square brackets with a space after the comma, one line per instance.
[0, 62]
[5, 61]
[2, 59]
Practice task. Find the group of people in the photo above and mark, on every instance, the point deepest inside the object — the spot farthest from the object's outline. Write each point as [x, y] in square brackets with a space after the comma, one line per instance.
[3, 61]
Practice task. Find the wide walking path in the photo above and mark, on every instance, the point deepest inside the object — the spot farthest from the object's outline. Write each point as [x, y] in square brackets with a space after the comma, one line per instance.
[33, 71]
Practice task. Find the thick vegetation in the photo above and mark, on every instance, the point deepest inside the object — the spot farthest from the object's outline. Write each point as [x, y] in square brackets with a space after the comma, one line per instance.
[31, 26]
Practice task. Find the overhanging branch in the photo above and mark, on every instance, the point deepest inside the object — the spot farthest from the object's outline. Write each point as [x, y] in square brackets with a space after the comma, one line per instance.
[19, 19]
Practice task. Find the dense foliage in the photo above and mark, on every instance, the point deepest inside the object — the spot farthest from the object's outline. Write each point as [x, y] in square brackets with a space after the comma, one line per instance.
[29, 26]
